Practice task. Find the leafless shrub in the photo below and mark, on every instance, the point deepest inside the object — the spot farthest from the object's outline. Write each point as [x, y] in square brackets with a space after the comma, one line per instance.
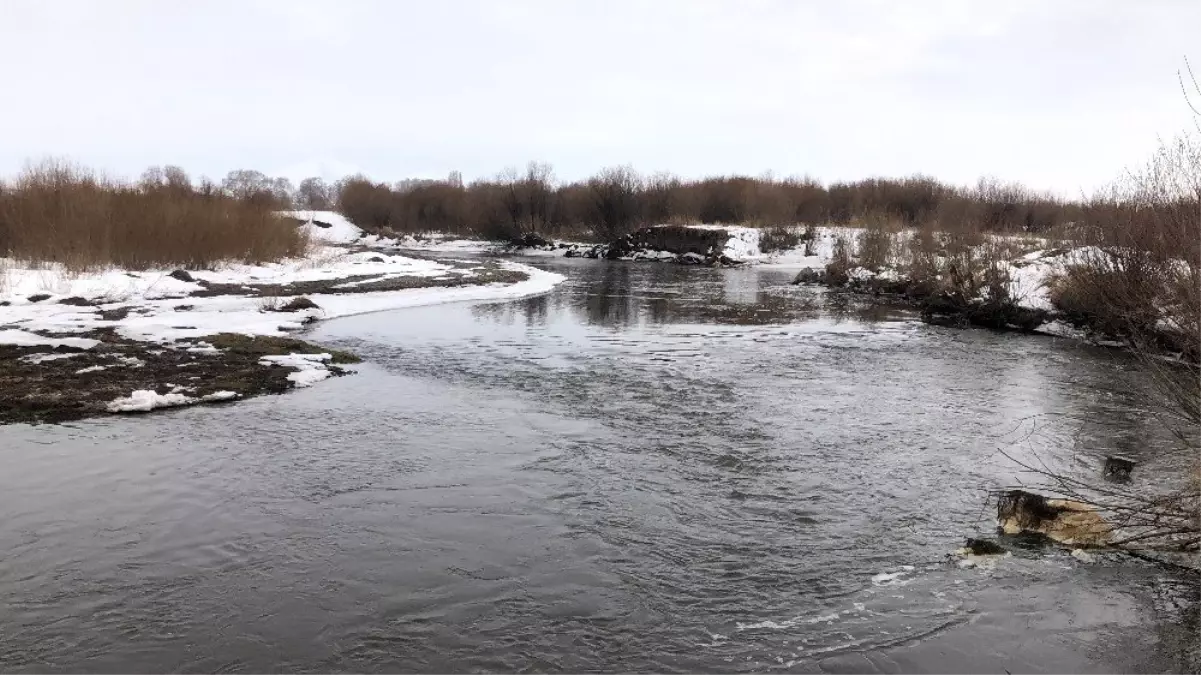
[614, 208]
[270, 303]
[809, 236]
[840, 261]
[1139, 280]
[313, 194]
[922, 262]
[878, 243]
[779, 238]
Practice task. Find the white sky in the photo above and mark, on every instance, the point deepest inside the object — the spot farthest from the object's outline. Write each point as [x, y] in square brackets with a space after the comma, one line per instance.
[1058, 94]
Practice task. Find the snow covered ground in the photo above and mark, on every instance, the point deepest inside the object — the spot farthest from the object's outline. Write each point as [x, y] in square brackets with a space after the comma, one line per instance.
[436, 243]
[1031, 275]
[48, 305]
[742, 246]
[744, 243]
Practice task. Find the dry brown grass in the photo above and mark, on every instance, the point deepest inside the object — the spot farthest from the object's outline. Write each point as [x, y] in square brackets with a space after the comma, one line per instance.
[58, 212]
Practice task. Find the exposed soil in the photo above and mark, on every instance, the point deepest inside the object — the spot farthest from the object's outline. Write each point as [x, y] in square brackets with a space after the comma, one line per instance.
[71, 383]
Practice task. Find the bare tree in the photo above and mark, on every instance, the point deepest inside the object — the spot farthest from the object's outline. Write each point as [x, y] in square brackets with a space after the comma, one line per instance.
[1194, 92]
[246, 183]
[527, 198]
[176, 178]
[152, 177]
[538, 188]
[512, 196]
[250, 185]
[170, 177]
[615, 201]
[659, 192]
[283, 192]
[314, 194]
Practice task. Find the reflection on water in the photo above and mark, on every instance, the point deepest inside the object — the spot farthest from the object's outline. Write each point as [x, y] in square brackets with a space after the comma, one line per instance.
[652, 468]
[623, 296]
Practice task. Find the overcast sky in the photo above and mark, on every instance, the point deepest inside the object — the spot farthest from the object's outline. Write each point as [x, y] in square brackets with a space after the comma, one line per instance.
[1058, 94]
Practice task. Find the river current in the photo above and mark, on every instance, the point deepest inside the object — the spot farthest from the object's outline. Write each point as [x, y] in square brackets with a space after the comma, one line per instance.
[653, 468]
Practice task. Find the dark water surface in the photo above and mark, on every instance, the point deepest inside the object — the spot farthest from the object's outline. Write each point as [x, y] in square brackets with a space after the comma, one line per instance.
[652, 468]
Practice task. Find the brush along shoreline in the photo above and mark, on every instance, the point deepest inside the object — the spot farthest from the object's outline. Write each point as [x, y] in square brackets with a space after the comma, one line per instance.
[75, 345]
[1022, 282]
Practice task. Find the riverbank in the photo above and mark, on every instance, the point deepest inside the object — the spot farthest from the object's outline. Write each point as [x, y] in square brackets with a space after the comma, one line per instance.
[1108, 296]
[720, 245]
[1016, 294]
[76, 344]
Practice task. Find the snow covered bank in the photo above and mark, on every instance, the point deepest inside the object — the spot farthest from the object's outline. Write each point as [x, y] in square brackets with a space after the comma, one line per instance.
[738, 244]
[971, 287]
[327, 226]
[685, 244]
[156, 306]
[116, 317]
[701, 244]
[438, 243]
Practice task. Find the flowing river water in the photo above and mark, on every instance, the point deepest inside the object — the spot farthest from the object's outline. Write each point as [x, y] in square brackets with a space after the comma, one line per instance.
[652, 468]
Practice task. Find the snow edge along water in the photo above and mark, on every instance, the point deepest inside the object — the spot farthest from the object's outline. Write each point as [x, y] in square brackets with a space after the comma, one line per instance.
[47, 306]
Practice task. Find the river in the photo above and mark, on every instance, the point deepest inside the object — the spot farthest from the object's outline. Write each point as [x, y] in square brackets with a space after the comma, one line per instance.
[652, 468]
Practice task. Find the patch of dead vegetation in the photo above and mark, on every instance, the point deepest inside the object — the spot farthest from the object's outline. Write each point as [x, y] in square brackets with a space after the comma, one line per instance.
[259, 346]
[43, 384]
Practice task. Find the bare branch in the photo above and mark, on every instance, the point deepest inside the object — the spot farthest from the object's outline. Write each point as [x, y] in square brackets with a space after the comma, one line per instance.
[1184, 89]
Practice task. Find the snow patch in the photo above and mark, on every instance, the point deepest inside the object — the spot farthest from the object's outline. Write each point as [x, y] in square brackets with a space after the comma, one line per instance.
[440, 244]
[309, 368]
[145, 400]
[22, 338]
[339, 230]
[743, 244]
[41, 358]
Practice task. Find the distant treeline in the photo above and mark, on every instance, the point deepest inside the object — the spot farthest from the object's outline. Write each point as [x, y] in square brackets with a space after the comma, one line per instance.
[618, 200]
[606, 206]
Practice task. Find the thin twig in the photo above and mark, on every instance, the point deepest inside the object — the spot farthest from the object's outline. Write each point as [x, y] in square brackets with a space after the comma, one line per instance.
[1183, 89]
